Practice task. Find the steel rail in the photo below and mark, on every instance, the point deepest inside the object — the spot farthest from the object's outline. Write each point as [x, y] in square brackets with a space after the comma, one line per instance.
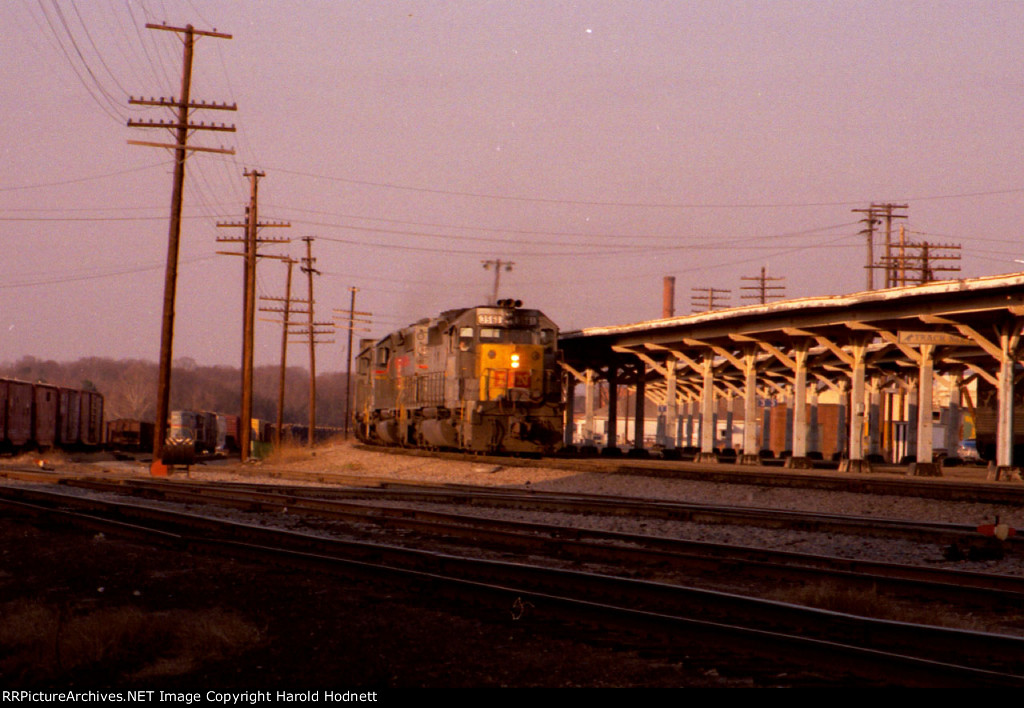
[891, 651]
[762, 517]
[727, 473]
[604, 546]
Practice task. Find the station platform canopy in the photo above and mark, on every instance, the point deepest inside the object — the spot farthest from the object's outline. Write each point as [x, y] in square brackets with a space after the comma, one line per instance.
[967, 328]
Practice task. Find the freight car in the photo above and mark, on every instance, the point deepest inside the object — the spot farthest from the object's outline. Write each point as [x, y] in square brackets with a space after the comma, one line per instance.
[483, 379]
[42, 416]
[129, 434]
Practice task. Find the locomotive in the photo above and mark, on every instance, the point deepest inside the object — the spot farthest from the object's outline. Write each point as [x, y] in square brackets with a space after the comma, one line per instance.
[481, 379]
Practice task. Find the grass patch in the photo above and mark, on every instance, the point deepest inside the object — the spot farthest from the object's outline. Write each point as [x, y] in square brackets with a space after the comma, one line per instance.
[868, 603]
[290, 450]
[40, 643]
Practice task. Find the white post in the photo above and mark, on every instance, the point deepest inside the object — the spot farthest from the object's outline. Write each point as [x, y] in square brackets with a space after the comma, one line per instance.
[750, 406]
[800, 402]
[924, 408]
[707, 412]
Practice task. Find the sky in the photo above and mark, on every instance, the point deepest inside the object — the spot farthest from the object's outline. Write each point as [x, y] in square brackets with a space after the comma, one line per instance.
[596, 146]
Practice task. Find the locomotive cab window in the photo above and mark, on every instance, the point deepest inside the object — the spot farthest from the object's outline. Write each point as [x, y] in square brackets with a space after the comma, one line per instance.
[511, 336]
[464, 342]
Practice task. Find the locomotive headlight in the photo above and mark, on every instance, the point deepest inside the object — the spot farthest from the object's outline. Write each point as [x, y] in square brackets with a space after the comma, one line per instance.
[515, 361]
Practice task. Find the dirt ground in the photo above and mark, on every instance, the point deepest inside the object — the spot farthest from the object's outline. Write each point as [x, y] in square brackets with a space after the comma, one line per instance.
[87, 611]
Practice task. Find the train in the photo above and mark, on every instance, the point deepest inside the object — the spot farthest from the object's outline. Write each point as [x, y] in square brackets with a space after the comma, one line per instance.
[479, 379]
[207, 431]
[41, 416]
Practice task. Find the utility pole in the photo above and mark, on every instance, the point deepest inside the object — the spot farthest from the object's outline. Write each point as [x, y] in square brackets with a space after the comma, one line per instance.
[708, 299]
[870, 221]
[353, 318]
[251, 253]
[887, 212]
[917, 262]
[286, 312]
[874, 216]
[497, 265]
[180, 127]
[763, 289]
[310, 271]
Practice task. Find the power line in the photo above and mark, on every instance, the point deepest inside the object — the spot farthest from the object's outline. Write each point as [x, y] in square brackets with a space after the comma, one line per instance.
[87, 179]
[112, 107]
[612, 203]
[56, 280]
[703, 239]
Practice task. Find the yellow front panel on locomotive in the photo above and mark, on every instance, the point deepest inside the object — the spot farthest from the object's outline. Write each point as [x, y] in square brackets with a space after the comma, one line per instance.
[510, 371]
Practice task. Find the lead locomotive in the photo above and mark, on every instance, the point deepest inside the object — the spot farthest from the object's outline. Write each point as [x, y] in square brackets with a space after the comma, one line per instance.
[483, 379]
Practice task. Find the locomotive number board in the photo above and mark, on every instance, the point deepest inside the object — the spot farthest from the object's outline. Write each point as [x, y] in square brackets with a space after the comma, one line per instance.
[505, 318]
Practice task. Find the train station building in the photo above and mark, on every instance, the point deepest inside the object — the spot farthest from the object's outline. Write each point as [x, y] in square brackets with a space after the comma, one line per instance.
[895, 376]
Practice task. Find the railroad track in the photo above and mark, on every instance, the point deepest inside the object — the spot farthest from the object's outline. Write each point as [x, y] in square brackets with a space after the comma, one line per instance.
[726, 473]
[598, 504]
[622, 550]
[579, 503]
[880, 651]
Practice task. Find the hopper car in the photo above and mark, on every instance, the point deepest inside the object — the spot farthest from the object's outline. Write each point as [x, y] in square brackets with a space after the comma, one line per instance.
[480, 379]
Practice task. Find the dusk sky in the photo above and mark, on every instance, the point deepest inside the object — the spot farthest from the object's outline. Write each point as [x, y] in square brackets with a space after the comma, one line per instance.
[599, 146]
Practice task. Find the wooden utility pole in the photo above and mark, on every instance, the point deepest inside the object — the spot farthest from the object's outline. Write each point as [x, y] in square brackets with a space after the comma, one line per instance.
[887, 212]
[354, 318]
[706, 299]
[249, 325]
[286, 312]
[181, 127]
[763, 289]
[874, 216]
[310, 271]
[918, 262]
[870, 221]
[251, 253]
[497, 264]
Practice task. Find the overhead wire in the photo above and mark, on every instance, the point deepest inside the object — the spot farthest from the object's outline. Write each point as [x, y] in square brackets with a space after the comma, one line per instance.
[521, 252]
[613, 203]
[66, 277]
[91, 178]
[704, 239]
[112, 107]
[95, 49]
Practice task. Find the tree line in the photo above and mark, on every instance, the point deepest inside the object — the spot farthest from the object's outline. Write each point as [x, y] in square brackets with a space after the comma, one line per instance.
[129, 387]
